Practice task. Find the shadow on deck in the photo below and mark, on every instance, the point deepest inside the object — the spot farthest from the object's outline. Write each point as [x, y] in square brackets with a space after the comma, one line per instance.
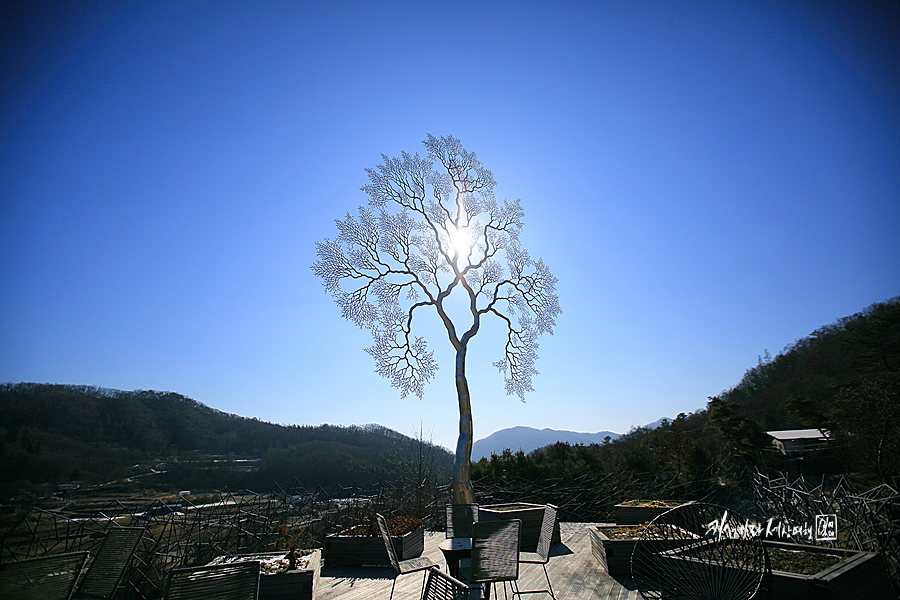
[574, 573]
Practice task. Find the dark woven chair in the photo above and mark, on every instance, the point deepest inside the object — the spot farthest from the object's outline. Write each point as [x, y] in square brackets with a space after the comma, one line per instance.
[459, 520]
[235, 581]
[50, 577]
[542, 554]
[495, 554]
[402, 567]
[699, 551]
[440, 586]
[109, 564]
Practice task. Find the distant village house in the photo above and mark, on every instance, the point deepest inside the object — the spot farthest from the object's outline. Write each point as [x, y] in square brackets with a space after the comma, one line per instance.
[792, 442]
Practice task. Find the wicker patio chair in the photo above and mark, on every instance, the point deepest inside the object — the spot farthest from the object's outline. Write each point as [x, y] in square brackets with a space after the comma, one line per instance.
[440, 586]
[402, 567]
[235, 581]
[495, 554]
[699, 551]
[542, 555]
[459, 520]
[109, 564]
[50, 577]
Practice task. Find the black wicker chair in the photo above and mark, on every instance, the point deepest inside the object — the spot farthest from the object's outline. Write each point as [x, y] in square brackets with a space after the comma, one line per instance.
[402, 567]
[440, 586]
[235, 581]
[495, 554]
[459, 520]
[542, 554]
[50, 577]
[109, 564]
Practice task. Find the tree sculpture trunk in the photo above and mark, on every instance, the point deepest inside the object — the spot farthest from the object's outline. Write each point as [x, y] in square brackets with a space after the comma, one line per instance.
[463, 493]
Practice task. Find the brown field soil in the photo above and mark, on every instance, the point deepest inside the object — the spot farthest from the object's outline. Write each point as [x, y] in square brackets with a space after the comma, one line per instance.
[396, 525]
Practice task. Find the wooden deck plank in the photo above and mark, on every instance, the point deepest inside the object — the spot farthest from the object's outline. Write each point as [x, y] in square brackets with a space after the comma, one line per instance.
[574, 574]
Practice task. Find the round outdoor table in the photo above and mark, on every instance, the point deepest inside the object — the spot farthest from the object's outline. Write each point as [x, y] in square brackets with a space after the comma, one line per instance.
[456, 549]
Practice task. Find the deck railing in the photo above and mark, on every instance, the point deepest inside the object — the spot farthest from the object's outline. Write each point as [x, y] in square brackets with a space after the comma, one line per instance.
[192, 530]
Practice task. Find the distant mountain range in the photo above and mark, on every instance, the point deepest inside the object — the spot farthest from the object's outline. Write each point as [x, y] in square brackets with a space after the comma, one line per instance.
[529, 438]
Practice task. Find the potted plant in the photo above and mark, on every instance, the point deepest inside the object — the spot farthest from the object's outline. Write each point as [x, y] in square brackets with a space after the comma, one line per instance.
[363, 546]
[634, 512]
[531, 515]
[292, 575]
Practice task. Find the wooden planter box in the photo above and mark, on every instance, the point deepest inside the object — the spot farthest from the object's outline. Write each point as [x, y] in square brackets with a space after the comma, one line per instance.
[531, 515]
[299, 584]
[690, 575]
[369, 551]
[614, 555]
[858, 575]
[626, 514]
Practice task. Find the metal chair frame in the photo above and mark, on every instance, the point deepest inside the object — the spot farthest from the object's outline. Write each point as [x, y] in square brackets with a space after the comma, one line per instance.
[402, 567]
[701, 551]
[542, 555]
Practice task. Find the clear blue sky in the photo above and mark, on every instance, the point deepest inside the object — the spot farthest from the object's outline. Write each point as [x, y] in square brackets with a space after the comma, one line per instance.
[708, 181]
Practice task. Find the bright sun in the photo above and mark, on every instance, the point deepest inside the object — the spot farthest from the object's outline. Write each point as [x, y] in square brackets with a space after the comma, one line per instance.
[459, 238]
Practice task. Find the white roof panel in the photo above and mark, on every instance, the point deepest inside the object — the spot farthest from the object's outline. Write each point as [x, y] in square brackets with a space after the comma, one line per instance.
[799, 434]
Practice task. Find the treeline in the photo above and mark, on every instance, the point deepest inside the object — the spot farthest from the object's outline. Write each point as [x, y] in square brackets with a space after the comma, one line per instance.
[844, 378]
[64, 433]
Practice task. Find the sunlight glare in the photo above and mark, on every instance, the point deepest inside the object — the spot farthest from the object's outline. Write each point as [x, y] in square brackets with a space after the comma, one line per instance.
[459, 238]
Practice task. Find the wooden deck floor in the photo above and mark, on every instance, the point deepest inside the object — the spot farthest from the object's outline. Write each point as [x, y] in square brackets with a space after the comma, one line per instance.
[574, 573]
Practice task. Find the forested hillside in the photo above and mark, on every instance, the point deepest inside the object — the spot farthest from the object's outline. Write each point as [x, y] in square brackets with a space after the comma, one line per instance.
[62, 433]
[843, 377]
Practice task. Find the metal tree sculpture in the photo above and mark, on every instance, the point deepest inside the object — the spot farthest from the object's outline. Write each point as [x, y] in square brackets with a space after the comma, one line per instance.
[427, 234]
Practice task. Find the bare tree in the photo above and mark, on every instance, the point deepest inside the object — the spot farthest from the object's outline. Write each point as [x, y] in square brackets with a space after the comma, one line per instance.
[425, 235]
[421, 462]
